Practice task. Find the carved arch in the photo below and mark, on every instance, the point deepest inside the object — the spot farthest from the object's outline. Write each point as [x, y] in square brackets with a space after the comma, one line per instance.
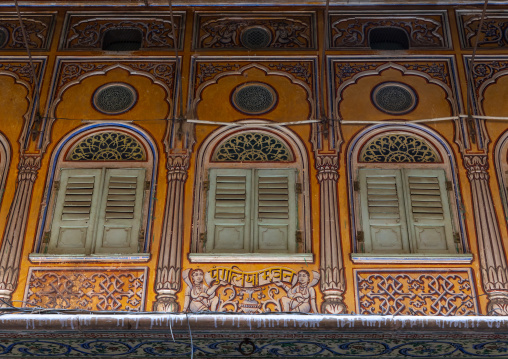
[439, 144]
[206, 150]
[5, 160]
[501, 166]
[58, 160]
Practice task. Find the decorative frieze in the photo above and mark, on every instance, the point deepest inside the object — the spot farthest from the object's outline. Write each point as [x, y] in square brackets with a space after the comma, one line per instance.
[424, 29]
[89, 288]
[255, 30]
[38, 29]
[423, 292]
[333, 282]
[493, 34]
[85, 30]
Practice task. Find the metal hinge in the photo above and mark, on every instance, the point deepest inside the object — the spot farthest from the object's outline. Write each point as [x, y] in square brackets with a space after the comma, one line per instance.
[46, 237]
[206, 185]
[147, 185]
[56, 185]
[299, 237]
[456, 238]
[449, 185]
[359, 236]
[298, 188]
[356, 185]
[141, 239]
[202, 237]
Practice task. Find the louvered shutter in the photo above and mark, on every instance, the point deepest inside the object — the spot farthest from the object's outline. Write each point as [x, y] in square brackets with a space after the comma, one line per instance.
[430, 223]
[72, 229]
[120, 213]
[275, 221]
[382, 210]
[229, 202]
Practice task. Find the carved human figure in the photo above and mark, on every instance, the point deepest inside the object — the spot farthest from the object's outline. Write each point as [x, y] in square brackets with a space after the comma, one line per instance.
[302, 296]
[199, 296]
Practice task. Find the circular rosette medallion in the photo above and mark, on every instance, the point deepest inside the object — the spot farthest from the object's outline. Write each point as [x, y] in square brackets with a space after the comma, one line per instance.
[256, 37]
[4, 36]
[114, 98]
[254, 98]
[394, 98]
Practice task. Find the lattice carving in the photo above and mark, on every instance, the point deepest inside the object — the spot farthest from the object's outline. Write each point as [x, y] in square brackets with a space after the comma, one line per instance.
[86, 288]
[38, 30]
[253, 147]
[399, 149]
[436, 293]
[108, 146]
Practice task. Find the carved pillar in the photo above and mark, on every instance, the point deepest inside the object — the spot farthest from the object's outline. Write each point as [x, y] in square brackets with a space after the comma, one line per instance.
[12, 241]
[167, 282]
[333, 282]
[492, 258]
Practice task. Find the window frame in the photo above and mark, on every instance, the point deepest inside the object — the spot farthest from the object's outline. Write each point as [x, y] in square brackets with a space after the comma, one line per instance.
[447, 164]
[59, 161]
[204, 163]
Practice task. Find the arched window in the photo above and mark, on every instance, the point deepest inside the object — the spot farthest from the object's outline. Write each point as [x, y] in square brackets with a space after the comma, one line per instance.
[501, 166]
[100, 196]
[403, 195]
[251, 200]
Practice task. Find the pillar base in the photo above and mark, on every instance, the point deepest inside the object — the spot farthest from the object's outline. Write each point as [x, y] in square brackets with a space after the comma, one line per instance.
[498, 303]
[332, 304]
[166, 302]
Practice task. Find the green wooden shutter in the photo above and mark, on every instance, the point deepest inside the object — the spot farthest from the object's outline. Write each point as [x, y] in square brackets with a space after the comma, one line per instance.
[228, 217]
[275, 221]
[72, 229]
[120, 213]
[429, 217]
[382, 210]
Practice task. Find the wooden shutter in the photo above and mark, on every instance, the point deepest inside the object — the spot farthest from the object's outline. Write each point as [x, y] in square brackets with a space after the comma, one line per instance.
[121, 211]
[430, 223]
[275, 222]
[382, 211]
[72, 229]
[229, 202]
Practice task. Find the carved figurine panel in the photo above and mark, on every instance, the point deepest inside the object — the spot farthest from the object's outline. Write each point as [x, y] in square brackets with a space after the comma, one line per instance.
[255, 31]
[421, 292]
[85, 30]
[90, 288]
[232, 289]
[424, 29]
[38, 28]
[493, 35]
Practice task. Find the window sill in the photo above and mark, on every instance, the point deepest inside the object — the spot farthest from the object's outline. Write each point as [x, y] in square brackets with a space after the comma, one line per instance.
[251, 257]
[411, 258]
[52, 258]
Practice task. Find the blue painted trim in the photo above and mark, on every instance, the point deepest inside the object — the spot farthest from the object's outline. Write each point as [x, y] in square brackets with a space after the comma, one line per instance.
[57, 156]
[452, 165]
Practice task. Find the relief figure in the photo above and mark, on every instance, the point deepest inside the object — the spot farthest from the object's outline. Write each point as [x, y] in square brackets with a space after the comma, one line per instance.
[302, 296]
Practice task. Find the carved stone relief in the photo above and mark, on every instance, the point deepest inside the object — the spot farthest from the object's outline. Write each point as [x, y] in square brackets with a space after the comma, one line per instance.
[89, 288]
[38, 27]
[425, 30]
[230, 289]
[493, 35]
[428, 292]
[85, 31]
[282, 31]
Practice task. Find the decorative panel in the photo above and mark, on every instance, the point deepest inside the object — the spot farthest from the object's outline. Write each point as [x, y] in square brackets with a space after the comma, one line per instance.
[259, 30]
[85, 30]
[108, 146]
[398, 148]
[494, 33]
[230, 289]
[90, 288]
[425, 29]
[440, 292]
[38, 27]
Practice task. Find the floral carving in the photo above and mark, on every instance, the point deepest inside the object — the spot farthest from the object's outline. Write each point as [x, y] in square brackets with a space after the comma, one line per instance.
[353, 31]
[287, 32]
[108, 146]
[86, 31]
[86, 288]
[251, 146]
[37, 28]
[300, 70]
[22, 69]
[493, 33]
[415, 293]
[398, 149]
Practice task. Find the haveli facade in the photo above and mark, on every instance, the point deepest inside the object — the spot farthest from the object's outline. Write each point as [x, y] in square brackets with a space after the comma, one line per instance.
[267, 170]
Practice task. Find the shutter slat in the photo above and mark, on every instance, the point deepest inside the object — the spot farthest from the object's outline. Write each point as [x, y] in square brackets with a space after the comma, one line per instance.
[382, 198]
[426, 192]
[130, 191]
[425, 198]
[121, 197]
[230, 197]
[274, 203]
[77, 200]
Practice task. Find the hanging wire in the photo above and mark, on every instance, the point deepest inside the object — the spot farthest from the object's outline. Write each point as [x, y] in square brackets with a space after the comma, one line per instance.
[470, 83]
[37, 94]
[324, 82]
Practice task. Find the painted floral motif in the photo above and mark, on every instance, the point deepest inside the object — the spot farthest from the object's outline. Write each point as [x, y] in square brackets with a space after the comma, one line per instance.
[108, 146]
[398, 149]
